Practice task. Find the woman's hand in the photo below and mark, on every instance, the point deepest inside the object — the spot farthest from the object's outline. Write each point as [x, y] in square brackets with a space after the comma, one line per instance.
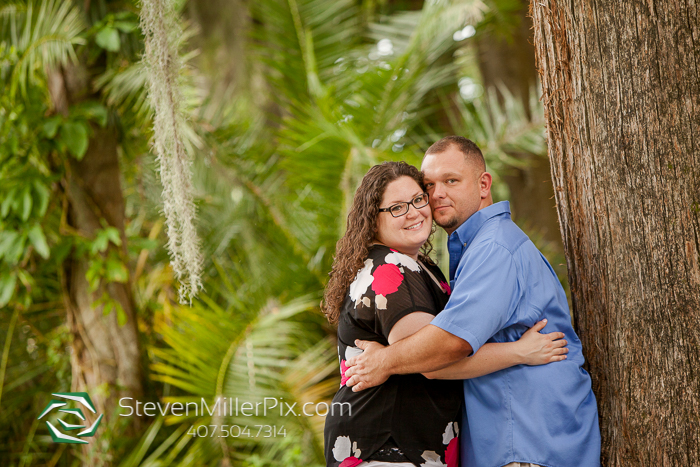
[537, 349]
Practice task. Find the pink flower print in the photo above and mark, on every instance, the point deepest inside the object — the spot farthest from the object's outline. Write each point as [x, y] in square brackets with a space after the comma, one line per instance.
[343, 369]
[445, 287]
[350, 352]
[451, 438]
[452, 453]
[387, 279]
[351, 462]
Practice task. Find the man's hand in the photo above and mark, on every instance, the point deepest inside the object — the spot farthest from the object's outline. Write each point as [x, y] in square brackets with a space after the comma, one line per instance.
[368, 369]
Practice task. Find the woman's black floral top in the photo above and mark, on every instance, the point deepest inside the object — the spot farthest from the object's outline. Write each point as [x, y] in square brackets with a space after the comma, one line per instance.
[409, 418]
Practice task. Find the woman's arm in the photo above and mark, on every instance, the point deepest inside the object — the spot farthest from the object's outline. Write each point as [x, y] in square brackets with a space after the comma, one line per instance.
[532, 348]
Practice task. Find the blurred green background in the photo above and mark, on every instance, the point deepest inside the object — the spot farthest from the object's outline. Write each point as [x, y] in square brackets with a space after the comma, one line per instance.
[287, 103]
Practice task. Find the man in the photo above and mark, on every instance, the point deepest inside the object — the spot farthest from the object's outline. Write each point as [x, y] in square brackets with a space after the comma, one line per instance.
[502, 285]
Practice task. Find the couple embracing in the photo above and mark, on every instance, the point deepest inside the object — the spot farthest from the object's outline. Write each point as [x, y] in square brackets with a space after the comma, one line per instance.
[434, 372]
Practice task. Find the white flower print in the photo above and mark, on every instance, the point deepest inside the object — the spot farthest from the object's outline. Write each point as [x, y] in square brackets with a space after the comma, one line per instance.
[362, 282]
[342, 450]
[351, 351]
[451, 431]
[432, 459]
[400, 259]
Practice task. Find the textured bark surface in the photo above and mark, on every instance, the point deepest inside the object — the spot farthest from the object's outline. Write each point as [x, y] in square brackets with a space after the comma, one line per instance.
[105, 356]
[621, 87]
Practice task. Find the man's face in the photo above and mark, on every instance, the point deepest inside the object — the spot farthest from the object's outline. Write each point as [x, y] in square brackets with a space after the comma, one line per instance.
[456, 188]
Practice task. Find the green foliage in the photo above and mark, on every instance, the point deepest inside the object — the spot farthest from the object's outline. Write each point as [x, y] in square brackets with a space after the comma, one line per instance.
[108, 39]
[75, 137]
[331, 93]
[276, 186]
[39, 39]
[36, 148]
[249, 362]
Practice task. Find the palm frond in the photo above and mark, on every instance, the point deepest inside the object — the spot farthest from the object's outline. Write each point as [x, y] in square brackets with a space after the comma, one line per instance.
[126, 89]
[269, 357]
[373, 101]
[502, 127]
[300, 40]
[44, 37]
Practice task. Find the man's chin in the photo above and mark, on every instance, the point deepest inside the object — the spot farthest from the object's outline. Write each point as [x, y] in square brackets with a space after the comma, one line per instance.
[447, 224]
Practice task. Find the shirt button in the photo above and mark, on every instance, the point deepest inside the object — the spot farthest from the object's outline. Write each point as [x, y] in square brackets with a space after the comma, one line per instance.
[465, 244]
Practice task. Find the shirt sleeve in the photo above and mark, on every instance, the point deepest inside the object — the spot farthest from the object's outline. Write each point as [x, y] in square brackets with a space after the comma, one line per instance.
[484, 297]
[399, 292]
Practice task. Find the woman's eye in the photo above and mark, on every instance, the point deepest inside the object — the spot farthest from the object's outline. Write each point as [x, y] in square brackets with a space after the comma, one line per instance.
[396, 209]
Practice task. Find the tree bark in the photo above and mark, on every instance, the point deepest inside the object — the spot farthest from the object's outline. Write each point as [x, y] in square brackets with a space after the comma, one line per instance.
[621, 87]
[105, 356]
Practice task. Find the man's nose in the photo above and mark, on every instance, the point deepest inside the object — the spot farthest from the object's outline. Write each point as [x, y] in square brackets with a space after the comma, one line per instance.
[438, 191]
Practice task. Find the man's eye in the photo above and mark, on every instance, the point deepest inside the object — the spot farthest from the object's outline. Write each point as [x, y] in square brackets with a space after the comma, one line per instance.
[452, 180]
[429, 185]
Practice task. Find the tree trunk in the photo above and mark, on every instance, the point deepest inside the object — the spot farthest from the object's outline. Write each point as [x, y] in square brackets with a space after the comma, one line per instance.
[621, 87]
[510, 62]
[105, 356]
[224, 26]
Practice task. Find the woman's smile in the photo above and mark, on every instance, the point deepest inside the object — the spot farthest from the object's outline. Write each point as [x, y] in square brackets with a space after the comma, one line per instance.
[415, 226]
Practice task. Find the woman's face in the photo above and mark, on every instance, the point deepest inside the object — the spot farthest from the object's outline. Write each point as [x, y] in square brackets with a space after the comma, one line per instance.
[409, 232]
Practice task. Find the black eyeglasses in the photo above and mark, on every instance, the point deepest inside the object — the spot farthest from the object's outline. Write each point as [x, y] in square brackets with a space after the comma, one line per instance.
[400, 209]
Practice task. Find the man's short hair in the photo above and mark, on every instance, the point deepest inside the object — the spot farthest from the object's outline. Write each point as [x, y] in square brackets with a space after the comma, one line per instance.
[472, 153]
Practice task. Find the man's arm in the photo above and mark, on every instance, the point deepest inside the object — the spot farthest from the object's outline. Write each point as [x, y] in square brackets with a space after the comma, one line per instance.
[429, 349]
[532, 348]
[486, 286]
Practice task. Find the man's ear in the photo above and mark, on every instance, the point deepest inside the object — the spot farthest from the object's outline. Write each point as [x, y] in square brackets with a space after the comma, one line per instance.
[485, 181]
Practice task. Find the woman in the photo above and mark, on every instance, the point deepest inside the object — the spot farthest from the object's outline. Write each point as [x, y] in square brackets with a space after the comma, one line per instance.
[382, 285]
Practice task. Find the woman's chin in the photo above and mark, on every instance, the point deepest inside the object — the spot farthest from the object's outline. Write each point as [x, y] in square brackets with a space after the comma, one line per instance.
[412, 248]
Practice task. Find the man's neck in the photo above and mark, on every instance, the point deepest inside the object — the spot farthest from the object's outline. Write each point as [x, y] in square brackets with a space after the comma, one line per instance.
[485, 202]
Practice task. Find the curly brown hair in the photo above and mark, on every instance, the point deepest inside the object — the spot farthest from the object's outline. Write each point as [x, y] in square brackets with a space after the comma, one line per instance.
[352, 249]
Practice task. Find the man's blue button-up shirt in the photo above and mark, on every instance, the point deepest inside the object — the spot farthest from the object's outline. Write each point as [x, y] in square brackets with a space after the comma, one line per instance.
[501, 286]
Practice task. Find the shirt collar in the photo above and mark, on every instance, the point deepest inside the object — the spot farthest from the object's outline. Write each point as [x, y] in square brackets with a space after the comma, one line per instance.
[467, 231]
